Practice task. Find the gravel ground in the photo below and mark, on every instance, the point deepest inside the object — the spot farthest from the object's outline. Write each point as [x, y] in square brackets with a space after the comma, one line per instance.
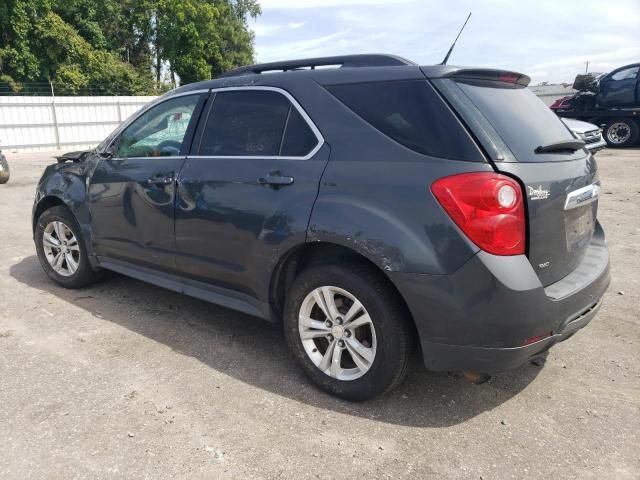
[127, 380]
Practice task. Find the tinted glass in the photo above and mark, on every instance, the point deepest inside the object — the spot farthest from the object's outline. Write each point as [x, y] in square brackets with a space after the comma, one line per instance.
[245, 123]
[411, 113]
[627, 74]
[521, 119]
[298, 140]
[159, 132]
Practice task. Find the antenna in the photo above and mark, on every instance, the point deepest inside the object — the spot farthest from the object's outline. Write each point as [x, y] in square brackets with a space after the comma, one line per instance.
[444, 62]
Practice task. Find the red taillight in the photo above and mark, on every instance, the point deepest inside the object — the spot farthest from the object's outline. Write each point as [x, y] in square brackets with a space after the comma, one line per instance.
[488, 207]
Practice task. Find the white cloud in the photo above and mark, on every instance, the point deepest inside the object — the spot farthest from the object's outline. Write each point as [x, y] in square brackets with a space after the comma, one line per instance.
[547, 39]
[262, 30]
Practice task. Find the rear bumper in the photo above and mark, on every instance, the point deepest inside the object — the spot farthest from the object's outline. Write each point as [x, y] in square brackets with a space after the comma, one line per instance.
[443, 357]
[482, 317]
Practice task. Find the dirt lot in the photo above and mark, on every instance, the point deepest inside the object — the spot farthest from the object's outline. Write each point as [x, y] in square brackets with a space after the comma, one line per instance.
[127, 380]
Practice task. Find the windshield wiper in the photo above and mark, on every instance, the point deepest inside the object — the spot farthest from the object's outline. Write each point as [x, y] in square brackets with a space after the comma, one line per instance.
[565, 146]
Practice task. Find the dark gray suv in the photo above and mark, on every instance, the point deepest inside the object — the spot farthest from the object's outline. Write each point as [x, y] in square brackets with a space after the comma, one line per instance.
[368, 203]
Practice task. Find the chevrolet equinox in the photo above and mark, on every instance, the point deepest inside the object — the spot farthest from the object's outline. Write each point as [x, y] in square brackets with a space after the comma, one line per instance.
[368, 203]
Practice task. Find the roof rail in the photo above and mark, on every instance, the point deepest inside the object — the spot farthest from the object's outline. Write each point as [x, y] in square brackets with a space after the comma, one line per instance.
[367, 60]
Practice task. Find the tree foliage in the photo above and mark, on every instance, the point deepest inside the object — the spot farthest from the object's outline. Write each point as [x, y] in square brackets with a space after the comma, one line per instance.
[124, 46]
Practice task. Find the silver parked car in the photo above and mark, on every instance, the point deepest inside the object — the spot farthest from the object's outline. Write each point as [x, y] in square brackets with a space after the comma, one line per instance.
[588, 132]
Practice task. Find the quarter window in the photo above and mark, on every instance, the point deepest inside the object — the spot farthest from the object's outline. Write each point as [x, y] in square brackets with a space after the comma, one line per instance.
[412, 114]
[159, 132]
[255, 123]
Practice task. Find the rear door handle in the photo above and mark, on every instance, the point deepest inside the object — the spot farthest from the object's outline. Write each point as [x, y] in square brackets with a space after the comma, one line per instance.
[275, 179]
[162, 179]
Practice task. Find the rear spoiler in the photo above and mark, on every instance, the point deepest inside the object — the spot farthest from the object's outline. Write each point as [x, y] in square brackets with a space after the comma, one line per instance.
[491, 75]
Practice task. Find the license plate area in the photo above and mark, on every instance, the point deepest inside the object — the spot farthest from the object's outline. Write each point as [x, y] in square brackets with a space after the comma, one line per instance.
[579, 226]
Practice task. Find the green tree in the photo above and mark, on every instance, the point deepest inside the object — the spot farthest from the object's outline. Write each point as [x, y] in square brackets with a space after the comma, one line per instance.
[69, 59]
[122, 45]
[200, 39]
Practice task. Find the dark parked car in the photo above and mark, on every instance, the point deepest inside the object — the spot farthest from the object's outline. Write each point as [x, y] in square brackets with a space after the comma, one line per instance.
[610, 100]
[366, 207]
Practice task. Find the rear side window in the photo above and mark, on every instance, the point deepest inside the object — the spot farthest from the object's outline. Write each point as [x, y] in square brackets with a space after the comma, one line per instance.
[412, 114]
[255, 123]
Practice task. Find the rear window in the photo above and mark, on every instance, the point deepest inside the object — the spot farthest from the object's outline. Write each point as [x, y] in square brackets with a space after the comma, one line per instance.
[412, 114]
[256, 123]
[521, 119]
[245, 123]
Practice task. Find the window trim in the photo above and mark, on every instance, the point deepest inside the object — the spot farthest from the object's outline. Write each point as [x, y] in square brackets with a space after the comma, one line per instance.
[127, 123]
[293, 102]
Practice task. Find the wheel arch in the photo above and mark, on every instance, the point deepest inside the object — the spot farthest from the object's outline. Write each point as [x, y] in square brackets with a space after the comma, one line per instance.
[303, 256]
[80, 213]
[45, 204]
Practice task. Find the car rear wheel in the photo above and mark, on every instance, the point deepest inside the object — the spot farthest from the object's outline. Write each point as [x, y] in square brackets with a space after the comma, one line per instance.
[61, 249]
[621, 132]
[348, 331]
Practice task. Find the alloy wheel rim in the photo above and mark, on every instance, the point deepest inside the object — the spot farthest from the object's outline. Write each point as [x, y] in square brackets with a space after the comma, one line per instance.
[618, 132]
[337, 333]
[61, 248]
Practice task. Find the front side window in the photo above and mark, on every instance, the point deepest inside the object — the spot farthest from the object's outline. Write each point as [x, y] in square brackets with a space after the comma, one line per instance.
[255, 123]
[159, 132]
[626, 74]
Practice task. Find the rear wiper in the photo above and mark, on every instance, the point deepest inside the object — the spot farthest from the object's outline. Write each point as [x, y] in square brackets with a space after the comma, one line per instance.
[565, 146]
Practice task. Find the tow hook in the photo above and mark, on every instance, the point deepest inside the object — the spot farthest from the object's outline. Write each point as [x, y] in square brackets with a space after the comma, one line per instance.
[476, 377]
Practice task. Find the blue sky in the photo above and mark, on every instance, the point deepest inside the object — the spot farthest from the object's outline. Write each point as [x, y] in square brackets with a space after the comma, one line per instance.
[547, 39]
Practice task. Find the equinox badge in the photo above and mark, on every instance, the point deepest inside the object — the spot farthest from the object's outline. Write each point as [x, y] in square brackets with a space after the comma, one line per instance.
[582, 196]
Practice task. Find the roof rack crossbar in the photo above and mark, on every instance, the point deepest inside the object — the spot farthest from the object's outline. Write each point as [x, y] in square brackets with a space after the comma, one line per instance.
[344, 61]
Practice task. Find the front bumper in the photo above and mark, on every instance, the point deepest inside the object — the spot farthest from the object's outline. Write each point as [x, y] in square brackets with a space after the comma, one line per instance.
[596, 146]
[482, 317]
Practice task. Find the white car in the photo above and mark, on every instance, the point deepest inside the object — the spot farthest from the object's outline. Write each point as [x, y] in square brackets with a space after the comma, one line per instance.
[588, 132]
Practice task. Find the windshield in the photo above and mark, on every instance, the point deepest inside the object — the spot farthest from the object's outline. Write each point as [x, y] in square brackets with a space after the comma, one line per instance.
[521, 119]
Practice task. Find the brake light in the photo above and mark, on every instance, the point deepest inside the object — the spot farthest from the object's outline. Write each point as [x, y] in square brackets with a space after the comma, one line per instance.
[509, 77]
[488, 208]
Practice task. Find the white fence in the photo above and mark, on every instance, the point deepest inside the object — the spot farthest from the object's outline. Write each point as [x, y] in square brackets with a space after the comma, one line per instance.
[67, 123]
[550, 93]
[61, 123]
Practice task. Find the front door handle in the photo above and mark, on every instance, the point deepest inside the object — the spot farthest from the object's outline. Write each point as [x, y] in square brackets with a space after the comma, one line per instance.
[161, 179]
[275, 179]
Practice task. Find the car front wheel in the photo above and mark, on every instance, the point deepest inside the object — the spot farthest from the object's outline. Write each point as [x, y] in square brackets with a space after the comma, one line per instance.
[348, 330]
[61, 249]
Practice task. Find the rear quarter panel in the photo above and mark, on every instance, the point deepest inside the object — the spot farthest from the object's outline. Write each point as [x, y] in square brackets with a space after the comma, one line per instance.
[381, 206]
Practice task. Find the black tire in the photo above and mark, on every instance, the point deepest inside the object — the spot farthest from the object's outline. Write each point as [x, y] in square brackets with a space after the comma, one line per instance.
[84, 275]
[390, 321]
[4, 171]
[621, 128]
